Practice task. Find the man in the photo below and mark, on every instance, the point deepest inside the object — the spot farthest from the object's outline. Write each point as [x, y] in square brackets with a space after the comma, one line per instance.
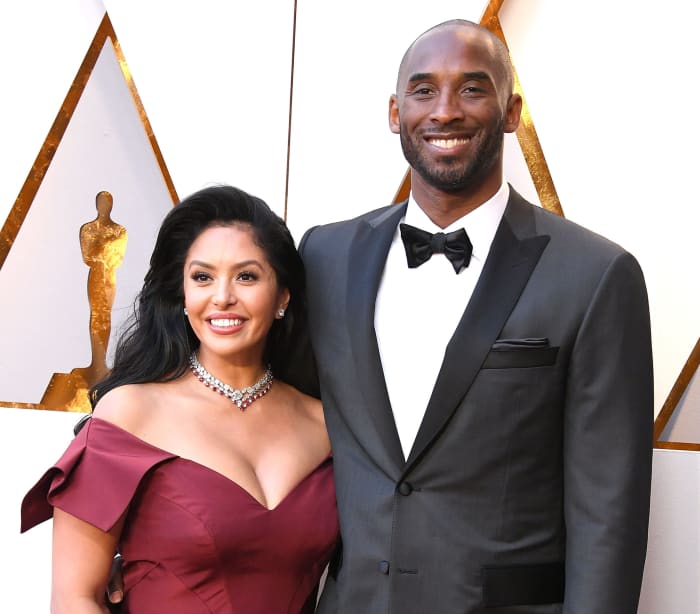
[490, 413]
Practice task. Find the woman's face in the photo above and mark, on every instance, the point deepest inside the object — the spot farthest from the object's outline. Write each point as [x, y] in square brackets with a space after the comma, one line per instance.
[231, 295]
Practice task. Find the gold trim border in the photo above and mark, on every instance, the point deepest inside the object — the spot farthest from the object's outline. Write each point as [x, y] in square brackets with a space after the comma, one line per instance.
[674, 397]
[526, 133]
[36, 175]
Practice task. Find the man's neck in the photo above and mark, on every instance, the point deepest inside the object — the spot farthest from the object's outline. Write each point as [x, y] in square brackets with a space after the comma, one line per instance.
[443, 208]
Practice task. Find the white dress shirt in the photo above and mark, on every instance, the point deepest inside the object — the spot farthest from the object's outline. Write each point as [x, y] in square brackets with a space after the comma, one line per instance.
[417, 310]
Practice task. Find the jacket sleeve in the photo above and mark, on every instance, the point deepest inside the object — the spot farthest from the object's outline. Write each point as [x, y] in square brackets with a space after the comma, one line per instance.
[608, 440]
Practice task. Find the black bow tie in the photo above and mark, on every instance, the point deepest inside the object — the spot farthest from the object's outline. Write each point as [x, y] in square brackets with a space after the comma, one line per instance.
[421, 245]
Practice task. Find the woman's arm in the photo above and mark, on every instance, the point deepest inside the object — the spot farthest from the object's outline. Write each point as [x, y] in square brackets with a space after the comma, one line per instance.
[82, 557]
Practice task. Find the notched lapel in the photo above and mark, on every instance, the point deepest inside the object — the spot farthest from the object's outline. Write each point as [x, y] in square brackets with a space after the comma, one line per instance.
[368, 254]
[506, 273]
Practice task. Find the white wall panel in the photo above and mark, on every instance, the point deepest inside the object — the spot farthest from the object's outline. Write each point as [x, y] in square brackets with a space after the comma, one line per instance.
[611, 87]
[214, 78]
[673, 557]
[30, 442]
[42, 43]
[344, 159]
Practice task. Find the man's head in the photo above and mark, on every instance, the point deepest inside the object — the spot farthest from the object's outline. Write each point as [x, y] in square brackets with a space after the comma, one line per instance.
[454, 101]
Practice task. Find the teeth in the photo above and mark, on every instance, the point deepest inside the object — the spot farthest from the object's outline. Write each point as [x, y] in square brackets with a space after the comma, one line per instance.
[448, 143]
[223, 322]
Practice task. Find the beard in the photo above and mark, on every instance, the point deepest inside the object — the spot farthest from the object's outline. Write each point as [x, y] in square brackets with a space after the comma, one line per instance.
[455, 173]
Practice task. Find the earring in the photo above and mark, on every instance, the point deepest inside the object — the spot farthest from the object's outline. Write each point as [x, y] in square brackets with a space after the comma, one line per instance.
[185, 311]
[280, 312]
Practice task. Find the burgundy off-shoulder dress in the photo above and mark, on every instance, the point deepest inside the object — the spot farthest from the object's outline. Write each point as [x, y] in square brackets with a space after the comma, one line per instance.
[193, 541]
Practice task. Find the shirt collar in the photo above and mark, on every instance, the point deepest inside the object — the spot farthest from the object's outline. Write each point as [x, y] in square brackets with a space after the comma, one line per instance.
[480, 223]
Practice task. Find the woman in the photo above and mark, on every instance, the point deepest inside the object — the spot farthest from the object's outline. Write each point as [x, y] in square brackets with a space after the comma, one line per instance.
[210, 475]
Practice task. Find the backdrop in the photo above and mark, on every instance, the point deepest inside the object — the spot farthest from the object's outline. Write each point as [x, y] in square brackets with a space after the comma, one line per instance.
[289, 100]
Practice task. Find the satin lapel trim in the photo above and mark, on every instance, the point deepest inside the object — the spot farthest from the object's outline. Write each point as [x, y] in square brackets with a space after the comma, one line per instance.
[506, 272]
[368, 255]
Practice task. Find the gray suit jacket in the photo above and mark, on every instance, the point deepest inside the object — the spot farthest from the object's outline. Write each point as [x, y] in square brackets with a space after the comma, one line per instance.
[527, 488]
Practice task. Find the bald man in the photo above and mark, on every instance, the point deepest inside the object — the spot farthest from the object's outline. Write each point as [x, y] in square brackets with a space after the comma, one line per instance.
[486, 373]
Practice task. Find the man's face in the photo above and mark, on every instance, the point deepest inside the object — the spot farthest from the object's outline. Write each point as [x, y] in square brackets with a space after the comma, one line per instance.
[452, 108]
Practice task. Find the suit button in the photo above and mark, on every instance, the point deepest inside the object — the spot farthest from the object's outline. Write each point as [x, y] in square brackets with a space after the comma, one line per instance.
[405, 489]
[384, 567]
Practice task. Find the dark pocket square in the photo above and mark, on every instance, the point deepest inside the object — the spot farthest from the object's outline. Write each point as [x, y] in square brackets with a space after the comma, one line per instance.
[510, 585]
[518, 344]
[520, 354]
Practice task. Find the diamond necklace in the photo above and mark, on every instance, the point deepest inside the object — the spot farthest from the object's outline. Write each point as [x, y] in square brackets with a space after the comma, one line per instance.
[241, 398]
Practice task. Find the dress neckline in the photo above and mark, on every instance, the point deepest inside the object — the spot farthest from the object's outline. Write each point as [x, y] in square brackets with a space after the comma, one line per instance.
[255, 500]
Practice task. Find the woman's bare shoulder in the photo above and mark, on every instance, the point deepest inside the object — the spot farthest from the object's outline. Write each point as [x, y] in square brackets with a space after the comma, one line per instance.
[128, 406]
[303, 402]
[313, 407]
[307, 410]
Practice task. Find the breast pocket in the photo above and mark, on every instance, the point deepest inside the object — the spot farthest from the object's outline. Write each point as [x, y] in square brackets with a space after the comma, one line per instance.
[520, 354]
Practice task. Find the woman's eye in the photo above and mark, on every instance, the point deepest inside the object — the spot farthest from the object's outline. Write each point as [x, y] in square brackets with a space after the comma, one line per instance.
[246, 276]
[201, 277]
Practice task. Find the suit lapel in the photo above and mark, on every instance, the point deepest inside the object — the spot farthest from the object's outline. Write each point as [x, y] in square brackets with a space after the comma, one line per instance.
[507, 269]
[368, 254]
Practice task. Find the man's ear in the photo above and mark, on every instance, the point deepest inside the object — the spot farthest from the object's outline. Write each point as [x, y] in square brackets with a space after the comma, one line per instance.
[394, 121]
[513, 110]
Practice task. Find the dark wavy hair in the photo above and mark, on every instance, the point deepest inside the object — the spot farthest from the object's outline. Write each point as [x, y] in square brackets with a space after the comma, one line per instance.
[158, 339]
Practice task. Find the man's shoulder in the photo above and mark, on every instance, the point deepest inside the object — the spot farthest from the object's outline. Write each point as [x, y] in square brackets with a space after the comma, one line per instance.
[340, 232]
[344, 225]
[566, 233]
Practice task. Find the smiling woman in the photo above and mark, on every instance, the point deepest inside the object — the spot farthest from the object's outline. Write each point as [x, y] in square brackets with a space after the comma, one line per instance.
[208, 493]
[231, 294]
